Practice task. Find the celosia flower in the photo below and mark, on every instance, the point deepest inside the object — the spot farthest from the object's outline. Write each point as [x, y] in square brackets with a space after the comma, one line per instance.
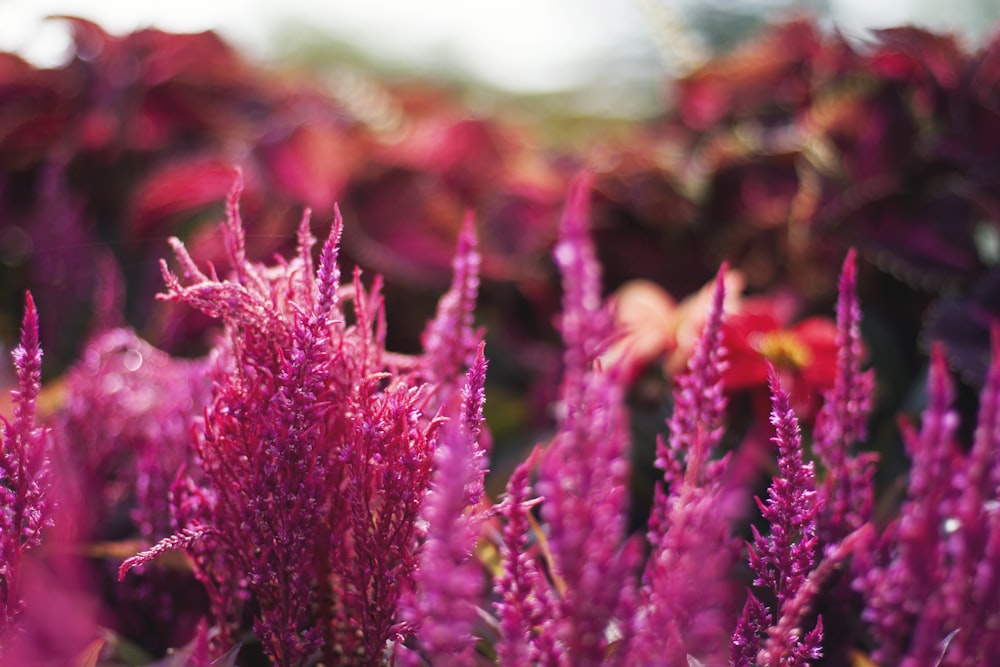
[972, 594]
[448, 583]
[783, 558]
[686, 600]
[450, 339]
[900, 593]
[931, 583]
[583, 475]
[314, 456]
[24, 471]
[525, 600]
[842, 424]
[123, 430]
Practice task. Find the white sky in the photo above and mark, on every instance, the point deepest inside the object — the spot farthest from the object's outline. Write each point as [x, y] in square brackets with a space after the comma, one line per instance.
[523, 45]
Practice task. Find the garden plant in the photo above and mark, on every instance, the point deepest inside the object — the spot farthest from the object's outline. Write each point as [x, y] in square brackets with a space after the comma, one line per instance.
[729, 398]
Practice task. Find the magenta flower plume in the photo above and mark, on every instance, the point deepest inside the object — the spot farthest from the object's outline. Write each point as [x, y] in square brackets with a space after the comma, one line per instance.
[526, 602]
[24, 470]
[751, 627]
[686, 600]
[846, 491]
[450, 340]
[784, 558]
[449, 581]
[972, 595]
[123, 431]
[903, 606]
[696, 425]
[315, 453]
[932, 587]
[584, 475]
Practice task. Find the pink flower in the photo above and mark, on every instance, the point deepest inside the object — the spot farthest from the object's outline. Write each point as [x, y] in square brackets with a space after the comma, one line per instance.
[652, 325]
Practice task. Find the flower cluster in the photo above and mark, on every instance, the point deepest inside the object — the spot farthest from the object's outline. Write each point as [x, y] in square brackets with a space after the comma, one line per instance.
[316, 450]
[332, 498]
[583, 476]
[24, 471]
[327, 497]
[931, 583]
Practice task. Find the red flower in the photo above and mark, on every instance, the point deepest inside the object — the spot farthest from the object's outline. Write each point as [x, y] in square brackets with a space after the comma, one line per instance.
[805, 354]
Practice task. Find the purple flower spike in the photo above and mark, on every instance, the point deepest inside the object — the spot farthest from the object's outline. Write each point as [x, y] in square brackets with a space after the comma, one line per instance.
[846, 491]
[316, 451]
[904, 605]
[584, 475]
[696, 424]
[785, 644]
[526, 606]
[784, 558]
[686, 601]
[984, 547]
[450, 341]
[751, 628]
[328, 280]
[449, 580]
[184, 538]
[24, 470]
[124, 430]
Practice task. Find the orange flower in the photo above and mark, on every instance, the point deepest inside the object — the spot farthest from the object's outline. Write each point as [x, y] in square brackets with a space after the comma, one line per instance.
[651, 324]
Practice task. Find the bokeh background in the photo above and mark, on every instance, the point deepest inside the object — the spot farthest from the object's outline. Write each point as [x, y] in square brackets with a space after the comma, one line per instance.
[603, 56]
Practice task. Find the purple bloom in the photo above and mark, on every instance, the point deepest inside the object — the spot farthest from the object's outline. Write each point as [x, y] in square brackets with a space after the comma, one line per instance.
[315, 452]
[751, 628]
[526, 601]
[24, 470]
[449, 581]
[784, 557]
[450, 341]
[973, 591]
[123, 431]
[846, 491]
[584, 473]
[686, 600]
[696, 425]
[901, 586]
[931, 584]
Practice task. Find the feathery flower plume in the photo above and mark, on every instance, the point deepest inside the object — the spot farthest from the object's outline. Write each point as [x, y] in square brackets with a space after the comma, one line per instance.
[932, 586]
[526, 601]
[901, 581]
[972, 595]
[696, 425]
[24, 470]
[449, 580]
[123, 430]
[583, 477]
[784, 557]
[685, 597]
[315, 454]
[846, 491]
[450, 341]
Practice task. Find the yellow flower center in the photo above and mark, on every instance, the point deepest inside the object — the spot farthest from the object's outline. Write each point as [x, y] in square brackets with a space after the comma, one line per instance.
[782, 348]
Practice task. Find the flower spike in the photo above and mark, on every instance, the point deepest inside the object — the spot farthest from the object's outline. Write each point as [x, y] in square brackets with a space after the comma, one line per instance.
[25, 482]
[784, 558]
[842, 422]
[449, 581]
[584, 474]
